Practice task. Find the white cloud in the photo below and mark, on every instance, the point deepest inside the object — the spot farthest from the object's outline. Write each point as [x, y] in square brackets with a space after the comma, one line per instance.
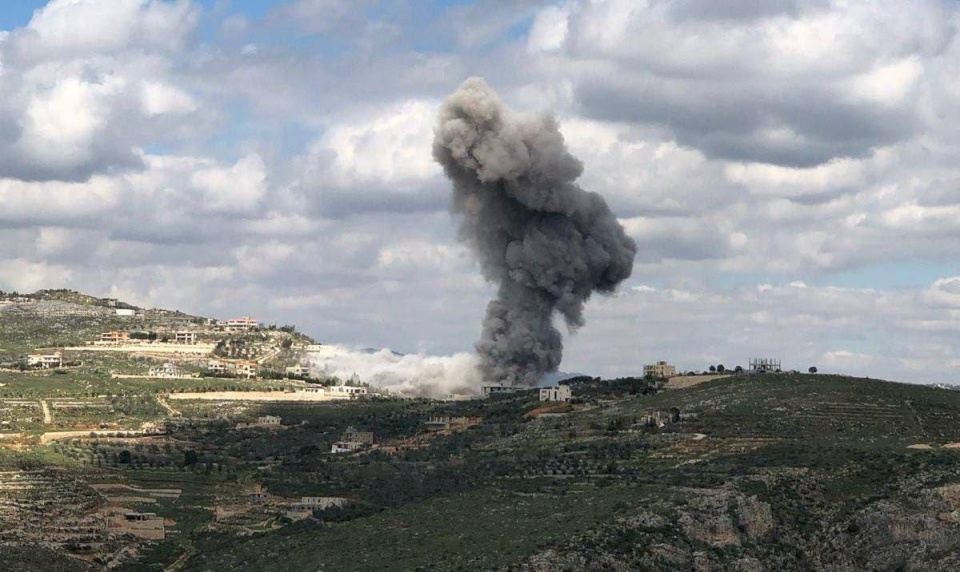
[44, 204]
[390, 148]
[77, 27]
[159, 98]
[60, 126]
[237, 189]
[549, 29]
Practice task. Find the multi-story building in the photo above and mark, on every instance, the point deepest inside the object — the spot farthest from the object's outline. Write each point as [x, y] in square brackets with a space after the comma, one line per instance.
[168, 369]
[764, 365]
[114, 337]
[247, 369]
[185, 337]
[45, 360]
[488, 390]
[558, 393]
[659, 369]
[297, 370]
[241, 324]
[216, 366]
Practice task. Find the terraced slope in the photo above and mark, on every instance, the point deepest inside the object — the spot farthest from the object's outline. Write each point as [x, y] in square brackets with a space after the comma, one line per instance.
[785, 472]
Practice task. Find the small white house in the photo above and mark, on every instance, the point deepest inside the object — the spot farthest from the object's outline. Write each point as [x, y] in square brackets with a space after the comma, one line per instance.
[166, 370]
[556, 393]
[268, 420]
[346, 447]
[347, 390]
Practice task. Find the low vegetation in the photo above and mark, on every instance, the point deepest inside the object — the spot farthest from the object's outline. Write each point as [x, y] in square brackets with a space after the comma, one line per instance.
[748, 472]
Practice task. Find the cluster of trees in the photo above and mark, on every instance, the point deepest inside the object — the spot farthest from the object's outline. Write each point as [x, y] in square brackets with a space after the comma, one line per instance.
[719, 368]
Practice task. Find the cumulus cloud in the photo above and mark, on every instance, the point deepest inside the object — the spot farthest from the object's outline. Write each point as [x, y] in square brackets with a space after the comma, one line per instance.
[373, 161]
[73, 28]
[787, 85]
[253, 170]
[88, 82]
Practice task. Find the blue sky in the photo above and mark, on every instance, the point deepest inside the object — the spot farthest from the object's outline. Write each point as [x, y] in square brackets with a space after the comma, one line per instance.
[792, 188]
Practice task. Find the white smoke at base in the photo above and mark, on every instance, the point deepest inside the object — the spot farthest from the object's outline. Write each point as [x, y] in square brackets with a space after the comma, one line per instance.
[411, 374]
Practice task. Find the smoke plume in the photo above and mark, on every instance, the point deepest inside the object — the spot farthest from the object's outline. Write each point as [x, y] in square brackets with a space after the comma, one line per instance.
[410, 374]
[548, 243]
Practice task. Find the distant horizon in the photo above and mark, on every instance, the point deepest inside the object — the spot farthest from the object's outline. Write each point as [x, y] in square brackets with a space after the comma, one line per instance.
[550, 378]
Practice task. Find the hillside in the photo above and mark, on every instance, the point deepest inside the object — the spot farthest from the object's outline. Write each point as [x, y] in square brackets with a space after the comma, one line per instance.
[759, 472]
[748, 472]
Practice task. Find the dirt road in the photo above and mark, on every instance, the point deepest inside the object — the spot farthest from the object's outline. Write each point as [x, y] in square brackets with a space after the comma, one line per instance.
[163, 403]
[255, 396]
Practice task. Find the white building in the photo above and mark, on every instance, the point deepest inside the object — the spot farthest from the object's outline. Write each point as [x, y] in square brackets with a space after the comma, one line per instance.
[558, 393]
[241, 324]
[166, 370]
[352, 391]
[126, 312]
[45, 360]
[346, 447]
[268, 420]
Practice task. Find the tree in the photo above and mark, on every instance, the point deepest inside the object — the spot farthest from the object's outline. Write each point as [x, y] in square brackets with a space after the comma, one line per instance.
[713, 369]
[738, 369]
[124, 457]
[813, 369]
[720, 368]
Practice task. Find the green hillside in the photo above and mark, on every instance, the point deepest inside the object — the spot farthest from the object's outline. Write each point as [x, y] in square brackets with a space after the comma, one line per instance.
[747, 472]
[760, 472]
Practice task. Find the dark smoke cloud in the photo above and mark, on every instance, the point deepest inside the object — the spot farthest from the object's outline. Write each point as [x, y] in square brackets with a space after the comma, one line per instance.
[547, 243]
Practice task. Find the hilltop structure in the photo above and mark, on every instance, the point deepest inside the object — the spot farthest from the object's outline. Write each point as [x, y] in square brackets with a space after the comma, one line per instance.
[764, 365]
[659, 369]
